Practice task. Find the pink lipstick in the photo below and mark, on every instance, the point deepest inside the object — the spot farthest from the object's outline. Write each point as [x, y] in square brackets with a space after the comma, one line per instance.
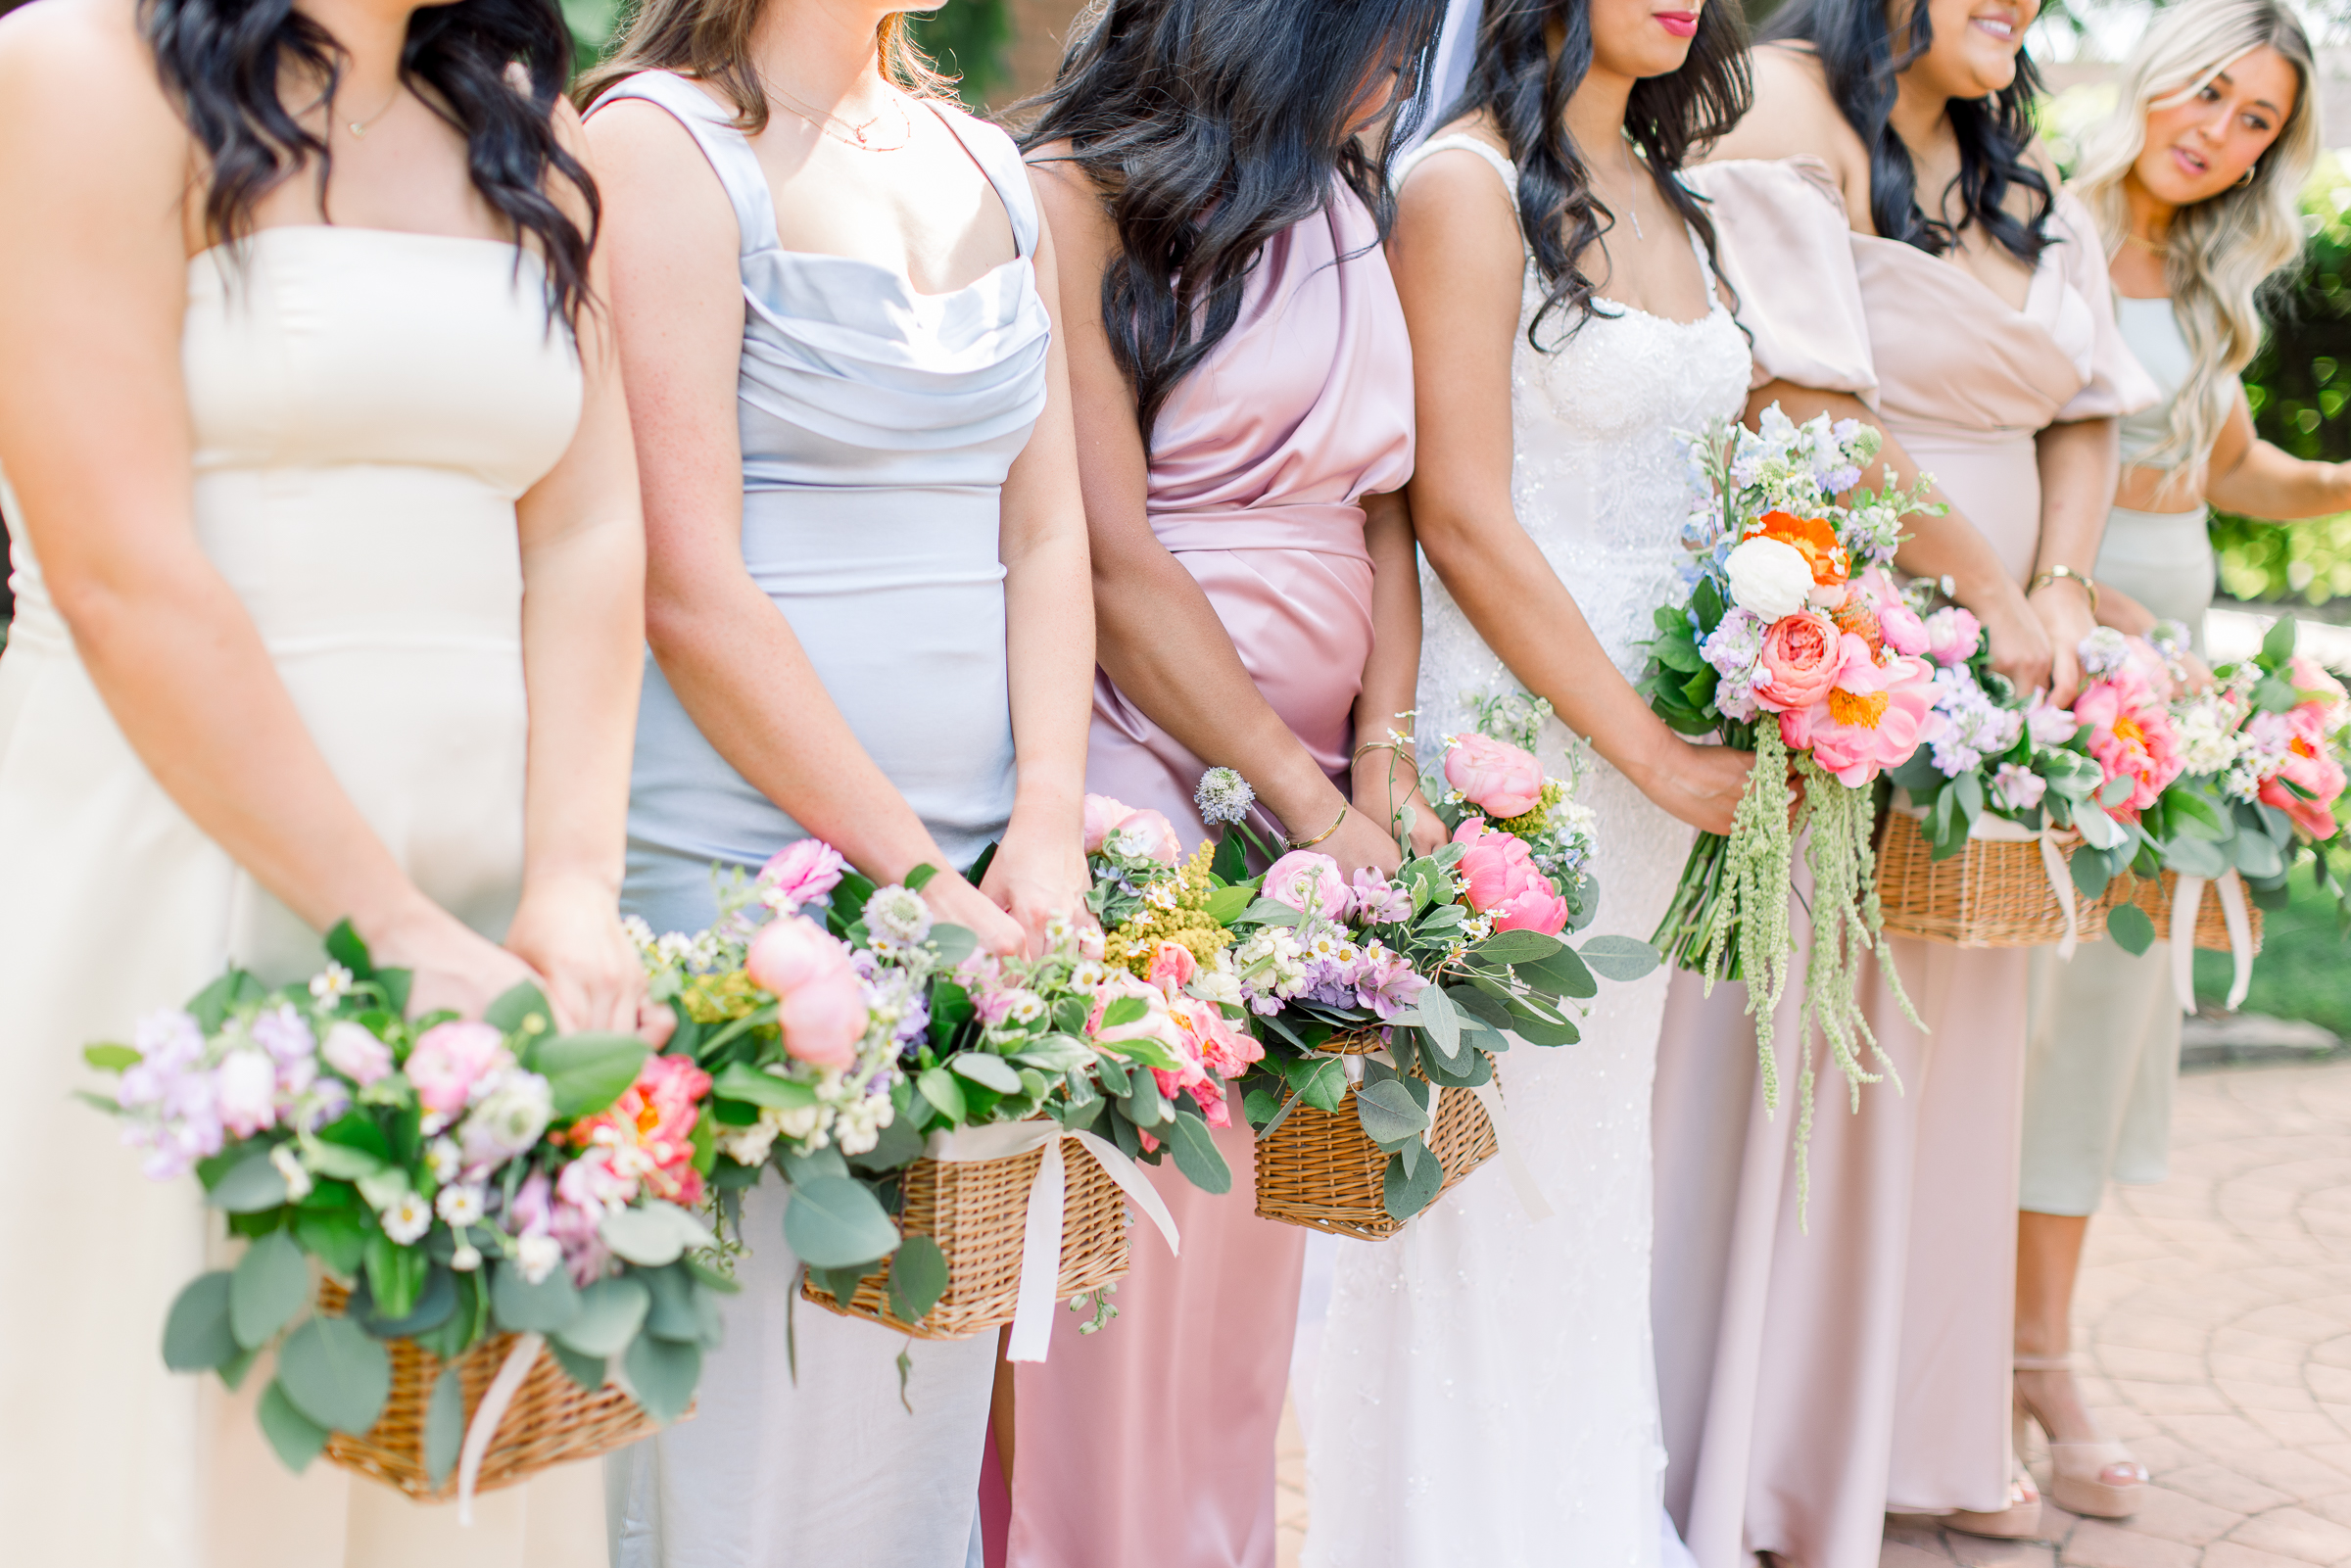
[1681, 24]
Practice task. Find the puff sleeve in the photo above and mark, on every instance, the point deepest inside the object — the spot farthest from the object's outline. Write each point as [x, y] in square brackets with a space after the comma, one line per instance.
[2116, 384]
[1786, 252]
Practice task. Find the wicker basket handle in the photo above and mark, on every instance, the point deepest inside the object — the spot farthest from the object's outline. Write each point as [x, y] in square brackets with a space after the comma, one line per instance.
[487, 1414]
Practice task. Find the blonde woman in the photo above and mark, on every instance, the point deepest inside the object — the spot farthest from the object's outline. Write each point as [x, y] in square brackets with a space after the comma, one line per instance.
[2194, 183]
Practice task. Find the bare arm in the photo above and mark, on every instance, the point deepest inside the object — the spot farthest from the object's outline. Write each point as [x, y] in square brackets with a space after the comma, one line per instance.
[1158, 639]
[2079, 465]
[1457, 267]
[1947, 546]
[1384, 782]
[94, 432]
[726, 651]
[2251, 477]
[1039, 870]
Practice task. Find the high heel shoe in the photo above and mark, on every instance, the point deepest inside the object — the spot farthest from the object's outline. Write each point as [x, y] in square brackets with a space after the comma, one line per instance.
[2080, 1472]
[2019, 1521]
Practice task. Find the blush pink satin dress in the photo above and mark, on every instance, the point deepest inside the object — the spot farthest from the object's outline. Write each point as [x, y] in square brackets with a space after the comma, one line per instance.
[1809, 1383]
[1151, 1442]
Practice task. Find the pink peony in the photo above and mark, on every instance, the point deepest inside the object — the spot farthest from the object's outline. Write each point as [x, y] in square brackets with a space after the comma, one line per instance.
[1505, 883]
[1173, 966]
[1897, 623]
[2130, 735]
[648, 1129]
[2313, 770]
[1798, 662]
[1497, 777]
[450, 1059]
[1102, 814]
[1308, 880]
[1223, 1049]
[820, 1003]
[1157, 1022]
[2320, 711]
[1952, 635]
[1148, 833]
[1868, 720]
[801, 873]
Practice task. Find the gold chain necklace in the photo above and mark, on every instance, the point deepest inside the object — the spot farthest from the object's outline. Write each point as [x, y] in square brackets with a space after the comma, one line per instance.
[823, 123]
[359, 127]
[1632, 187]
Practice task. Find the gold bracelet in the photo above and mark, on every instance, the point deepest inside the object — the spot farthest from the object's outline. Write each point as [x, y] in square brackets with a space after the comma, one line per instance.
[2055, 572]
[1402, 748]
[1309, 843]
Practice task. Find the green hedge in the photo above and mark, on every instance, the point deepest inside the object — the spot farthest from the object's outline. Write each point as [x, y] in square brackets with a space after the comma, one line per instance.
[967, 37]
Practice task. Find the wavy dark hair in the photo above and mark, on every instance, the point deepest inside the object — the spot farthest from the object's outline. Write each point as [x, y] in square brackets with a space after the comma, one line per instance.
[1518, 82]
[222, 61]
[1854, 40]
[1210, 126]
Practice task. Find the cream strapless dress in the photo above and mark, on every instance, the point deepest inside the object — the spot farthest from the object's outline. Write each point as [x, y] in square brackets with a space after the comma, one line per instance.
[366, 407]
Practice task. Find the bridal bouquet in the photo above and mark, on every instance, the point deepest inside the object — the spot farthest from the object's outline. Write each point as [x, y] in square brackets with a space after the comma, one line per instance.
[845, 1031]
[1444, 964]
[458, 1177]
[1796, 642]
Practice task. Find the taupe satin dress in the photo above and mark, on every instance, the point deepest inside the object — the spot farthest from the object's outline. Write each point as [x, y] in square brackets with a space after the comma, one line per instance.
[1811, 1382]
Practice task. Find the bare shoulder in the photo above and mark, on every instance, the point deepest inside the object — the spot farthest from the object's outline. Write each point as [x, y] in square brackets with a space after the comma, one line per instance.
[1072, 202]
[1454, 184]
[76, 62]
[1793, 114]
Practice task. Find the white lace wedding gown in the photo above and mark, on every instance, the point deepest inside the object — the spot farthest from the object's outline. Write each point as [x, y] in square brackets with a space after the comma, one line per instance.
[1485, 1391]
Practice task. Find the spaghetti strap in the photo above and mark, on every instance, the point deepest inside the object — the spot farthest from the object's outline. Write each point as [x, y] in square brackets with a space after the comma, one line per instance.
[1502, 167]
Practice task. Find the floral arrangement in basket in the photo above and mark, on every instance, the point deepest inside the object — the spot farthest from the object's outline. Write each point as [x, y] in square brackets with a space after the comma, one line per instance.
[1789, 644]
[1443, 965]
[847, 1035]
[454, 1180]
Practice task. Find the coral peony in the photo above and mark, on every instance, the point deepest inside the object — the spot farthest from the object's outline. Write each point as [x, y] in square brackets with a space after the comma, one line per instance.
[1172, 966]
[1868, 720]
[450, 1059]
[1308, 880]
[1768, 577]
[2313, 770]
[1498, 778]
[646, 1136]
[1798, 663]
[2130, 735]
[1500, 880]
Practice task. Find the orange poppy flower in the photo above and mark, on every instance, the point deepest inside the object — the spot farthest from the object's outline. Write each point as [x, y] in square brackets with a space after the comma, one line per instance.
[1814, 539]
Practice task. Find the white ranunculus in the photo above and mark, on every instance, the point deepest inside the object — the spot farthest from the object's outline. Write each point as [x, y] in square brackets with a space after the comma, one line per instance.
[1768, 577]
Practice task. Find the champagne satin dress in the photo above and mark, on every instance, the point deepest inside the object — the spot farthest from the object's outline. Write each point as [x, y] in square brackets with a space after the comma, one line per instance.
[367, 407]
[1152, 1441]
[1812, 1382]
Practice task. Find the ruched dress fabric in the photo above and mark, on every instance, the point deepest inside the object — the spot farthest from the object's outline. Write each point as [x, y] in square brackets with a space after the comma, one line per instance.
[878, 425]
[1485, 1391]
[2103, 1042]
[1152, 1441]
[1813, 1381]
[367, 407]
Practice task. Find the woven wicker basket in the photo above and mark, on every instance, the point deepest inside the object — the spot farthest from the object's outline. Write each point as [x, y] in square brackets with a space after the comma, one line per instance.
[1993, 894]
[978, 1212]
[2154, 895]
[552, 1420]
[1320, 1170]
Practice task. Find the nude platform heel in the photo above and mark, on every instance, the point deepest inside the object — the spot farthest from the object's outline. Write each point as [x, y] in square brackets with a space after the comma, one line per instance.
[2078, 1470]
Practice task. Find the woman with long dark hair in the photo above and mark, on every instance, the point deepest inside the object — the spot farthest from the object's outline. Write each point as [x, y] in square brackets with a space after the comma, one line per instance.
[1485, 1392]
[869, 623]
[1854, 1359]
[1243, 386]
[2196, 181]
[329, 579]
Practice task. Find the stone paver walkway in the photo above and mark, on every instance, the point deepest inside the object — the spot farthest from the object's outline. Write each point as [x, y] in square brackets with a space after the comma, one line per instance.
[2214, 1332]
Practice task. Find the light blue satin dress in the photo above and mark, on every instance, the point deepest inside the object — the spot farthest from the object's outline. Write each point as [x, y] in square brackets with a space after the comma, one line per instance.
[878, 425]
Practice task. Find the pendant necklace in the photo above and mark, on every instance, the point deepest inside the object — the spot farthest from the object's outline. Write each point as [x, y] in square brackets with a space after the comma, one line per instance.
[1632, 188]
[359, 127]
[823, 122]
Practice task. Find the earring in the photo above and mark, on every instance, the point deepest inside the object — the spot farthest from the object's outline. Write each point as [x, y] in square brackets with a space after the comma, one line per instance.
[2246, 178]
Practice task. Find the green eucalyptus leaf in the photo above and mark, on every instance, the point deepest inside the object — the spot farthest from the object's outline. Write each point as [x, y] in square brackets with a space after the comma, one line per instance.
[270, 1284]
[918, 1278]
[1404, 1194]
[296, 1438]
[663, 1373]
[107, 1057]
[993, 1071]
[1440, 1021]
[2195, 857]
[2132, 932]
[198, 1335]
[1388, 1110]
[584, 1073]
[549, 1307]
[1564, 974]
[951, 944]
[673, 1314]
[250, 1186]
[653, 1233]
[938, 1086]
[1622, 959]
[335, 1374]
[515, 1007]
[2277, 642]
[740, 1080]
[444, 1426]
[1321, 1081]
[1197, 1156]
[1517, 947]
[837, 1222]
[611, 1312]
[587, 1371]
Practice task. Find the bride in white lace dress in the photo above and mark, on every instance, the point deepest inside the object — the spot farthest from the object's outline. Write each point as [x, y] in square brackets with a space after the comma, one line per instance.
[1485, 1391]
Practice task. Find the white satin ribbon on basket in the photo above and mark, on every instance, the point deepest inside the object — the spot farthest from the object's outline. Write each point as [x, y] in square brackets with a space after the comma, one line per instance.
[2053, 843]
[1040, 1242]
[1489, 1094]
[2188, 898]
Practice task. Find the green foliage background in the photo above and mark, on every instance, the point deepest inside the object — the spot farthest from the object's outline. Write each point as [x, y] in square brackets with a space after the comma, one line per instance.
[966, 37]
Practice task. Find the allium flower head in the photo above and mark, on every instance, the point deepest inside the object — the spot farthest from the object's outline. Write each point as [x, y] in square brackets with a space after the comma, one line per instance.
[1224, 795]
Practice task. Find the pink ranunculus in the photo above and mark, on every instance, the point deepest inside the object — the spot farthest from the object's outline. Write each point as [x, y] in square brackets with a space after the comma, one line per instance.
[1157, 1022]
[1798, 662]
[2130, 735]
[356, 1053]
[2313, 770]
[1498, 778]
[2320, 710]
[1102, 814]
[819, 1001]
[450, 1059]
[1870, 717]
[1309, 881]
[801, 873]
[1897, 623]
[1952, 636]
[1505, 883]
[1173, 966]
[1148, 833]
